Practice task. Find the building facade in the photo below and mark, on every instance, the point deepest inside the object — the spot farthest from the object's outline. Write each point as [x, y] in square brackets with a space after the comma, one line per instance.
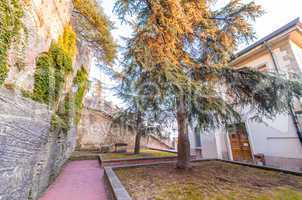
[274, 142]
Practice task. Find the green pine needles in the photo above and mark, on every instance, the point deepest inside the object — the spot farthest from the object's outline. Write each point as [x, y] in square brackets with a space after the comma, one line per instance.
[94, 27]
[10, 24]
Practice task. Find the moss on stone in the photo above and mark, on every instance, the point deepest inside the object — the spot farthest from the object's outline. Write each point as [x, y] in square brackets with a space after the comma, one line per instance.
[52, 69]
[58, 123]
[3, 70]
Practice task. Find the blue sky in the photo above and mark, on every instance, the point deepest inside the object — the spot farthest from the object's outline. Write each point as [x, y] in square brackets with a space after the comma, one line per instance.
[278, 13]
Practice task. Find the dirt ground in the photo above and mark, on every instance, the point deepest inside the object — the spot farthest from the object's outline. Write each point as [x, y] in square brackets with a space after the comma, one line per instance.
[210, 180]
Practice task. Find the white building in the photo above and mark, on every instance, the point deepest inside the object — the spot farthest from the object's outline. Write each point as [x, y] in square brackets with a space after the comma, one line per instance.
[278, 140]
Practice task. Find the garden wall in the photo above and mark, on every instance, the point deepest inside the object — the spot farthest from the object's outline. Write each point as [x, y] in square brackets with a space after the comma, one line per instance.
[95, 130]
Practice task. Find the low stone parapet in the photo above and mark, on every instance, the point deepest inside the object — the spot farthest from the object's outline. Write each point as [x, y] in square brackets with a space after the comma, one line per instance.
[118, 162]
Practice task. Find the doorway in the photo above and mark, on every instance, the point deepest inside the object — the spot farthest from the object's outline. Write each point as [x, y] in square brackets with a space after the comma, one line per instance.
[240, 144]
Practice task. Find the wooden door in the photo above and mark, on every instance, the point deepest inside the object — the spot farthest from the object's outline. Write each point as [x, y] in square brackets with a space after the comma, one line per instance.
[240, 143]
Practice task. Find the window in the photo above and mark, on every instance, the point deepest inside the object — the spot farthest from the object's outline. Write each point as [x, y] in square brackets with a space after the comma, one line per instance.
[197, 137]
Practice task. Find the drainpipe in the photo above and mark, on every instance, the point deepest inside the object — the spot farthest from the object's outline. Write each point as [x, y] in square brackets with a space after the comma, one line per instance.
[291, 110]
[270, 50]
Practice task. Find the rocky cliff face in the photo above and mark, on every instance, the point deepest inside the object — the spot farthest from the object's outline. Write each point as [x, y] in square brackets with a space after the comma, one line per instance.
[32, 152]
[31, 155]
[43, 21]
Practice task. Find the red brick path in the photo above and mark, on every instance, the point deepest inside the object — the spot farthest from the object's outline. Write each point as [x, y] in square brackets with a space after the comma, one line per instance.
[79, 180]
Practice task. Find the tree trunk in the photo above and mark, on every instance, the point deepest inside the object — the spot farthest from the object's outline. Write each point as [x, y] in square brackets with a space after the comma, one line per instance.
[138, 136]
[137, 142]
[183, 147]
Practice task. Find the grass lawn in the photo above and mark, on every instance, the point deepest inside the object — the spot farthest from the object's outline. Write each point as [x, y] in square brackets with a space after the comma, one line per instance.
[210, 180]
[145, 153]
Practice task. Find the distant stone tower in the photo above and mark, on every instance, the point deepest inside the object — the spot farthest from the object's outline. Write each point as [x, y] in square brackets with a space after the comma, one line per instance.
[95, 99]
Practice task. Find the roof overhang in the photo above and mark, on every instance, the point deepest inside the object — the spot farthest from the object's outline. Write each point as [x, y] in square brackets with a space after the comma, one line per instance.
[275, 37]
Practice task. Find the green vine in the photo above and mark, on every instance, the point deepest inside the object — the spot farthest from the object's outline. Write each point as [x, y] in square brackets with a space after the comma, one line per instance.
[72, 105]
[62, 118]
[44, 79]
[11, 13]
[52, 69]
[81, 82]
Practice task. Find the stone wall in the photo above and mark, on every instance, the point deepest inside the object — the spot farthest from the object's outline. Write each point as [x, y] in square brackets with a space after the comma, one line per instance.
[157, 143]
[31, 155]
[43, 22]
[96, 130]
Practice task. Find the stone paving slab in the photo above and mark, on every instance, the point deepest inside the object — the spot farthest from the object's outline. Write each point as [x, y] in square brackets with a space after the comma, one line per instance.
[79, 180]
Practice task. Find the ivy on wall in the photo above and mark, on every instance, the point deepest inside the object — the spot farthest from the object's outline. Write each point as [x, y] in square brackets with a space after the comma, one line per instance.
[68, 41]
[53, 67]
[44, 78]
[51, 71]
[11, 13]
[63, 117]
[71, 107]
[81, 83]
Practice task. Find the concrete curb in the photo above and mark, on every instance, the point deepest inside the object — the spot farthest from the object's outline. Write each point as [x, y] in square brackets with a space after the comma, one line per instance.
[163, 150]
[83, 157]
[120, 193]
[296, 173]
[118, 190]
[138, 159]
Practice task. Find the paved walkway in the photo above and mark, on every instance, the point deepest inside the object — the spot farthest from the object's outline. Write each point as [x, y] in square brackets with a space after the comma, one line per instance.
[79, 180]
